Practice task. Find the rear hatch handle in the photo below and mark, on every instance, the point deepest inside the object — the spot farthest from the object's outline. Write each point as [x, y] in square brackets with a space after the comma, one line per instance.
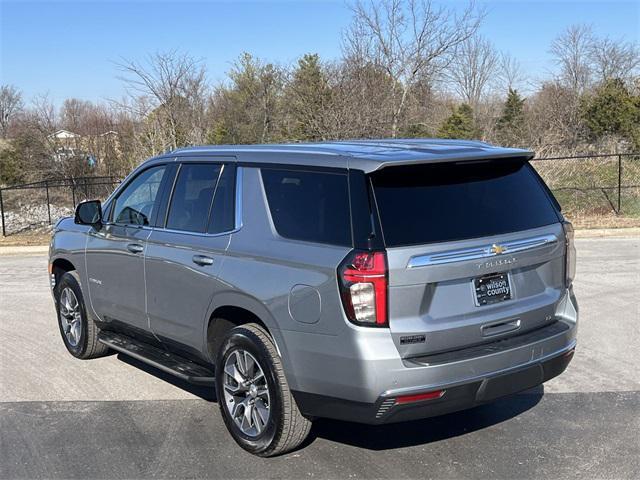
[499, 328]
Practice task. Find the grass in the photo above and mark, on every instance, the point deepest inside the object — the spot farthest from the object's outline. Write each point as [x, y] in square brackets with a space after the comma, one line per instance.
[25, 239]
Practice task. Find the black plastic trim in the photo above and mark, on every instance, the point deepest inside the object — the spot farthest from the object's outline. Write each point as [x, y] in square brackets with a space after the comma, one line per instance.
[556, 328]
[456, 398]
[159, 358]
[366, 230]
[160, 212]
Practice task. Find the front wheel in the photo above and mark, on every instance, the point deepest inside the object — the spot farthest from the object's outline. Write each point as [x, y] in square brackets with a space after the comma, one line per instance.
[254, 397]
[79, 332]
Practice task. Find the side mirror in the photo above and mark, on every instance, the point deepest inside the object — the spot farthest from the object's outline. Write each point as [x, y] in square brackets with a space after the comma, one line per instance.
[89, 213]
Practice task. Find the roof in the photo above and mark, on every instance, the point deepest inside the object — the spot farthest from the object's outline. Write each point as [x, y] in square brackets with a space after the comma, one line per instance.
[63, 134]
[367, 155]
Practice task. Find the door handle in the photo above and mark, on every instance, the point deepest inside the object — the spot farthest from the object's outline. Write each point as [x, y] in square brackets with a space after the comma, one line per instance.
[135, 248]
[202, 260]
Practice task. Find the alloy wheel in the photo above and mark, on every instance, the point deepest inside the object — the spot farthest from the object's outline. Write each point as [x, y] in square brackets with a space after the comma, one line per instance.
[70, 316]
[246, 393]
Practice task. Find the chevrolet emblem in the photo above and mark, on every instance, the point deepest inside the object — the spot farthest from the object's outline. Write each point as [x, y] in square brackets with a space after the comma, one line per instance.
[497, 249]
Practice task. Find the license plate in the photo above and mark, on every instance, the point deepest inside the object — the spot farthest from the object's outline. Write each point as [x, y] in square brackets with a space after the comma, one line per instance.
[492, 289]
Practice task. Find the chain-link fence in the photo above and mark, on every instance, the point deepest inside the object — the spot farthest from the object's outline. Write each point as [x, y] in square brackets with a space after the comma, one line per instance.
[594, 191]
[33, 206]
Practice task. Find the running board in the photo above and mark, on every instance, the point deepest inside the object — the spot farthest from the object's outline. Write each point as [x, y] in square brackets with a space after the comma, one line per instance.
[158, 358]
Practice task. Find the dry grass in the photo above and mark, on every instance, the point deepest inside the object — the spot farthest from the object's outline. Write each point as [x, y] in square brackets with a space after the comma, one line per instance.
[603, 221]
[25, 239]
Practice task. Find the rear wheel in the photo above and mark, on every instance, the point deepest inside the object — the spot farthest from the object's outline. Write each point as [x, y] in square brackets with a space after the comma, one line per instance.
[254, 397]
[79, 333]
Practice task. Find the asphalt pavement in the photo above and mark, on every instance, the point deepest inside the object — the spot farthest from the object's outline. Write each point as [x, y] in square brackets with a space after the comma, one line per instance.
[117, 418]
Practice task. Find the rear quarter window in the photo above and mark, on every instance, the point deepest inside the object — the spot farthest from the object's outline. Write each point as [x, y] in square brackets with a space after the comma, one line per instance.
[454, 201]
[309, 206]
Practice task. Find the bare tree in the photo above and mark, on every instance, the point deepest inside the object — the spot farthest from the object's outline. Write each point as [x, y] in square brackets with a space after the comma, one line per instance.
[410, 39]
[10, 104]
[43, 117]
[570, 52]
[510, 72]
[554, 122]
[175, 86]
[611, 59]
[360, 100]
[474, 67]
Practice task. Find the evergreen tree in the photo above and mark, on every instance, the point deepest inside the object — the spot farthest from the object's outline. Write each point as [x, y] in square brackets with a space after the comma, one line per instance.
[612, 110]
[248, 110]
[459, 124]
[510, 128]
[10, 164]
[309, 96]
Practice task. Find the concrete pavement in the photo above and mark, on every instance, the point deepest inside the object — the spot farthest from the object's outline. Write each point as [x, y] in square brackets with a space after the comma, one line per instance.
[116, 418]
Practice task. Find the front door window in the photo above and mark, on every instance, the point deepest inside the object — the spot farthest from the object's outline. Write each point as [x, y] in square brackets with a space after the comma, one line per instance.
[136, 203]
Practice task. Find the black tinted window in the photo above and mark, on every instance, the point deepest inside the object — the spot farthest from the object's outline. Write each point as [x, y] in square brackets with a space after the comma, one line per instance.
[311, 206]
[222, 212]
[452, 201]
[135, 204]
[192, 195]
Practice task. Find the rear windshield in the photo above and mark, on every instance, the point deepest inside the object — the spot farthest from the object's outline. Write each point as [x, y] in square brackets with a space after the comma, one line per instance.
[453, 201]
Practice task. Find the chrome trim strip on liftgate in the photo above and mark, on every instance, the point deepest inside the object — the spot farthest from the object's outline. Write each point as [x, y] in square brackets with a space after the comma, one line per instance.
[478, 253]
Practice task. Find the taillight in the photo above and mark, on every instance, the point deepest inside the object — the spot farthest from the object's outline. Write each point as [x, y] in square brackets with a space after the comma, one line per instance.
[363, 286]
[570, 255]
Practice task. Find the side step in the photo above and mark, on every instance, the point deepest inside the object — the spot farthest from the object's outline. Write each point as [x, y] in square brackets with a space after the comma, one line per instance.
[158, 358]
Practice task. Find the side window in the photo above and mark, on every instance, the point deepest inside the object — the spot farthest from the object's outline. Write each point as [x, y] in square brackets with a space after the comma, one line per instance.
[223, 209]
[310, 206]
[192, 196]
[135, 204]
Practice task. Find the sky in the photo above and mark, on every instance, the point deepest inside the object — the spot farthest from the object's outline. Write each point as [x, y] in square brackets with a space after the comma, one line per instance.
[70, 49]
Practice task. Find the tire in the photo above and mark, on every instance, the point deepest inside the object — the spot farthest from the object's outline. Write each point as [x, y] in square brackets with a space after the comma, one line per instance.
[83, 342]
[286, 428]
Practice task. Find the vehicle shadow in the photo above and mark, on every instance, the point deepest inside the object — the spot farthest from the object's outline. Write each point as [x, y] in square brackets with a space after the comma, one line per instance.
[391, 436]
[204, 392]
[420, 432]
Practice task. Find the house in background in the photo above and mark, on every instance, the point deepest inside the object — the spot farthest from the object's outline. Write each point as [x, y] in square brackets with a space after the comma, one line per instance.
[65, 144]
[63, 136]
[92, 148]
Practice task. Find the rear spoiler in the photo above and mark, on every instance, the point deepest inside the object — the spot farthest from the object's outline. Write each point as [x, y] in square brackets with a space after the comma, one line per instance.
[505, 155]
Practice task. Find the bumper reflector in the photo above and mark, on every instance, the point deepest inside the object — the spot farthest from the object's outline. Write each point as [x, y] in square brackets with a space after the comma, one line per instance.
[420, 397]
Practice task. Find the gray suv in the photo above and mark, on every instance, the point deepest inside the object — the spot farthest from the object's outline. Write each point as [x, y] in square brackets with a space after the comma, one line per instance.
[370, 281]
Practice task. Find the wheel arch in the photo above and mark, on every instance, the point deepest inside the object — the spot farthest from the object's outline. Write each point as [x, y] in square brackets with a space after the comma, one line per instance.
[59, 267]
[230, 309]
[225, 318]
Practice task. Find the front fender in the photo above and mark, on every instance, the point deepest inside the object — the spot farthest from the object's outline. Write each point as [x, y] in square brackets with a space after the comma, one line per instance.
[68, 243]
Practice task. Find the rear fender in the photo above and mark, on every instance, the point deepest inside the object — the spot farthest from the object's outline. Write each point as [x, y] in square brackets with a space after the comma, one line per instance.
[257, 308]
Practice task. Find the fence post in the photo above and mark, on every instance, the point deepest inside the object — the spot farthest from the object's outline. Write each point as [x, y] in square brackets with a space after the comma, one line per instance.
[46, 186]
[4, 231]
[619, 182]
[73, 195]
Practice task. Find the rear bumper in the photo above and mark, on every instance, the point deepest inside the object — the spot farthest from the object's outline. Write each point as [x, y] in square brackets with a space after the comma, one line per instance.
[456, 397]
[358, 376]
